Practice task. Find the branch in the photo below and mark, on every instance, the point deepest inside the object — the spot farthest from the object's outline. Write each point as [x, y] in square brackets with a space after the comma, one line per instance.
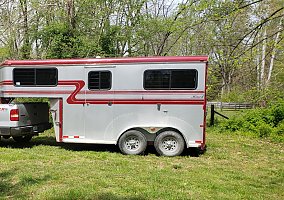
[258, 26]
[260, 41]
[249, 4]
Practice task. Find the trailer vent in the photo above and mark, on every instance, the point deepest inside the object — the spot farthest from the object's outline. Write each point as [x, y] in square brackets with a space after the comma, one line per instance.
[99, 80]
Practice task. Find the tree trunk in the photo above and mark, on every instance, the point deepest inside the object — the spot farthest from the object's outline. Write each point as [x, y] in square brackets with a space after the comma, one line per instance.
[274, 52]
[26, 45]
[262, 69]
[258, 56]
[71, 14]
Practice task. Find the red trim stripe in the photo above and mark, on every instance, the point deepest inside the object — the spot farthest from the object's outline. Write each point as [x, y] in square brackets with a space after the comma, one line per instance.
[102, 92]
[203, 144]
[6, 83]
[35, 92]
[156, 59]
[72, 137]
[157, 92]
[60, 120]
[79, 84]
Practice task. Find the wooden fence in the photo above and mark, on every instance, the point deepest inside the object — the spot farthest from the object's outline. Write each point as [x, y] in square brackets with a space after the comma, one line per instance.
[230, 106]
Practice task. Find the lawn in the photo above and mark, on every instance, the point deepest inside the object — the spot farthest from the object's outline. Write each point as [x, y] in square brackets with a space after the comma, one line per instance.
[233, 167]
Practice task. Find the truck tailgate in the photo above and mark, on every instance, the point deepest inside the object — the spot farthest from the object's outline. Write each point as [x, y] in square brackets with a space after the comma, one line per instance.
[33, 113]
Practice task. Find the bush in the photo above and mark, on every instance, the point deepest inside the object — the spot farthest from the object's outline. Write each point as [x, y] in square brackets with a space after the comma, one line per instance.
[278, 114]
[280, 129]
[263, 123]
[264, 130]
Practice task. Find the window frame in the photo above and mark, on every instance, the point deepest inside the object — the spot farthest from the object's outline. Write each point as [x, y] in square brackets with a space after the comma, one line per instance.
[105, 89]
[36, 85]
[171, 70]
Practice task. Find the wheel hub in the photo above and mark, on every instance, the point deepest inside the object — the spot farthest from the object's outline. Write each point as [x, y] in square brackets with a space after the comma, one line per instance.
[169, 144]
[132, 143]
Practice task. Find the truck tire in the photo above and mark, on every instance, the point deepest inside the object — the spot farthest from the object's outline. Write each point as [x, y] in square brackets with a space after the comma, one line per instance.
[169, 143]
[132, 142]
[6, 137]
[22, 139]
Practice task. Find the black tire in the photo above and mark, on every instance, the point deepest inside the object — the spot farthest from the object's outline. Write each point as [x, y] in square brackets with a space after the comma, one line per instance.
[132, 142]
[169, 143]
[6, 137]
[22, 139]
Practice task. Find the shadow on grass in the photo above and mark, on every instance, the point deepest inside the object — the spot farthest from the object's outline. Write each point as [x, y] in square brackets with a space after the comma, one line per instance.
[10, 189]
[50, 141]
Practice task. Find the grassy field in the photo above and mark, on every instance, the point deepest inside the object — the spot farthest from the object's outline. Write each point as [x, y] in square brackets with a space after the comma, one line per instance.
[233, 167]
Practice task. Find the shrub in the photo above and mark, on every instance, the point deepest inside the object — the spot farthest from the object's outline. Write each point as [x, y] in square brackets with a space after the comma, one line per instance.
[277, 113]
[280, 129]
[264, 130]
[263, 123]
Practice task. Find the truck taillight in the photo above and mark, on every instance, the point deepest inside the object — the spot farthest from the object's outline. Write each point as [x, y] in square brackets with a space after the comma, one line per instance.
[14, 115]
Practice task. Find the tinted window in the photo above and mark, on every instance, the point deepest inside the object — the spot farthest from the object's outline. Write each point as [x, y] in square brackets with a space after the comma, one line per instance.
[35, 77]
[99, 80]
[170, 79]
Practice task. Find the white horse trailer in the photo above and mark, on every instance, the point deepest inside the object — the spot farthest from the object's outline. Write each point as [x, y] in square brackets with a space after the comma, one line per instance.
[130, 102]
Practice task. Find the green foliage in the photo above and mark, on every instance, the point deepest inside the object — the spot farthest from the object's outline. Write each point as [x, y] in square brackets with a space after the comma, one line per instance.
[107, 41]
[263, 123]
[60, 41]
[4, 53]
[280, 129]
[30, 99]
[277, 113]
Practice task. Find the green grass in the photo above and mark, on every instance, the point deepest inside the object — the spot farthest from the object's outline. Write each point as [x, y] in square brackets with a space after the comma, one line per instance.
[233, 167]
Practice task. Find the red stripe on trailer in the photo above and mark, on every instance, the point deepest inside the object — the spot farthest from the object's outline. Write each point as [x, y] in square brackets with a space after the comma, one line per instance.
[9, 82]
[72, 137]
[79, 84]
[157, 92]
[204, 105]
[101, 93]
[36, 92]
[6, 83]
[157, 59]
[60, 120]
[154, 101]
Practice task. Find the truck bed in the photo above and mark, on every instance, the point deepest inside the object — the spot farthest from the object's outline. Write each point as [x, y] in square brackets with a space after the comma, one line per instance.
[17, 119]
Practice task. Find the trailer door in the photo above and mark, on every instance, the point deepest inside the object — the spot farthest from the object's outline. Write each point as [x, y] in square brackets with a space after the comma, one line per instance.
[99, 103]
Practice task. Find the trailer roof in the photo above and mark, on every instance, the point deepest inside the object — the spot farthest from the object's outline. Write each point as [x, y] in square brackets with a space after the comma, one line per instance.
[106, 60]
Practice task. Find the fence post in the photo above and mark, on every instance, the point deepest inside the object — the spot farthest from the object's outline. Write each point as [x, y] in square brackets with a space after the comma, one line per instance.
[212, 115]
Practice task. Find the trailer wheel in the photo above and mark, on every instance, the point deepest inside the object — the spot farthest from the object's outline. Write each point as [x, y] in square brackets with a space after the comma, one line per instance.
[169, 143]
[132, 142]
[24, 138]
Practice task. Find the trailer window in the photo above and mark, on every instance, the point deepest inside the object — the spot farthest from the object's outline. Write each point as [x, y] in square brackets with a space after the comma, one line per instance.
[35, 77]
[170, 79]
[99, 80]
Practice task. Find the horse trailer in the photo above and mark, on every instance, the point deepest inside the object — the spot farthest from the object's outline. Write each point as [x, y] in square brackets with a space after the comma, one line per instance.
[130, 102]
